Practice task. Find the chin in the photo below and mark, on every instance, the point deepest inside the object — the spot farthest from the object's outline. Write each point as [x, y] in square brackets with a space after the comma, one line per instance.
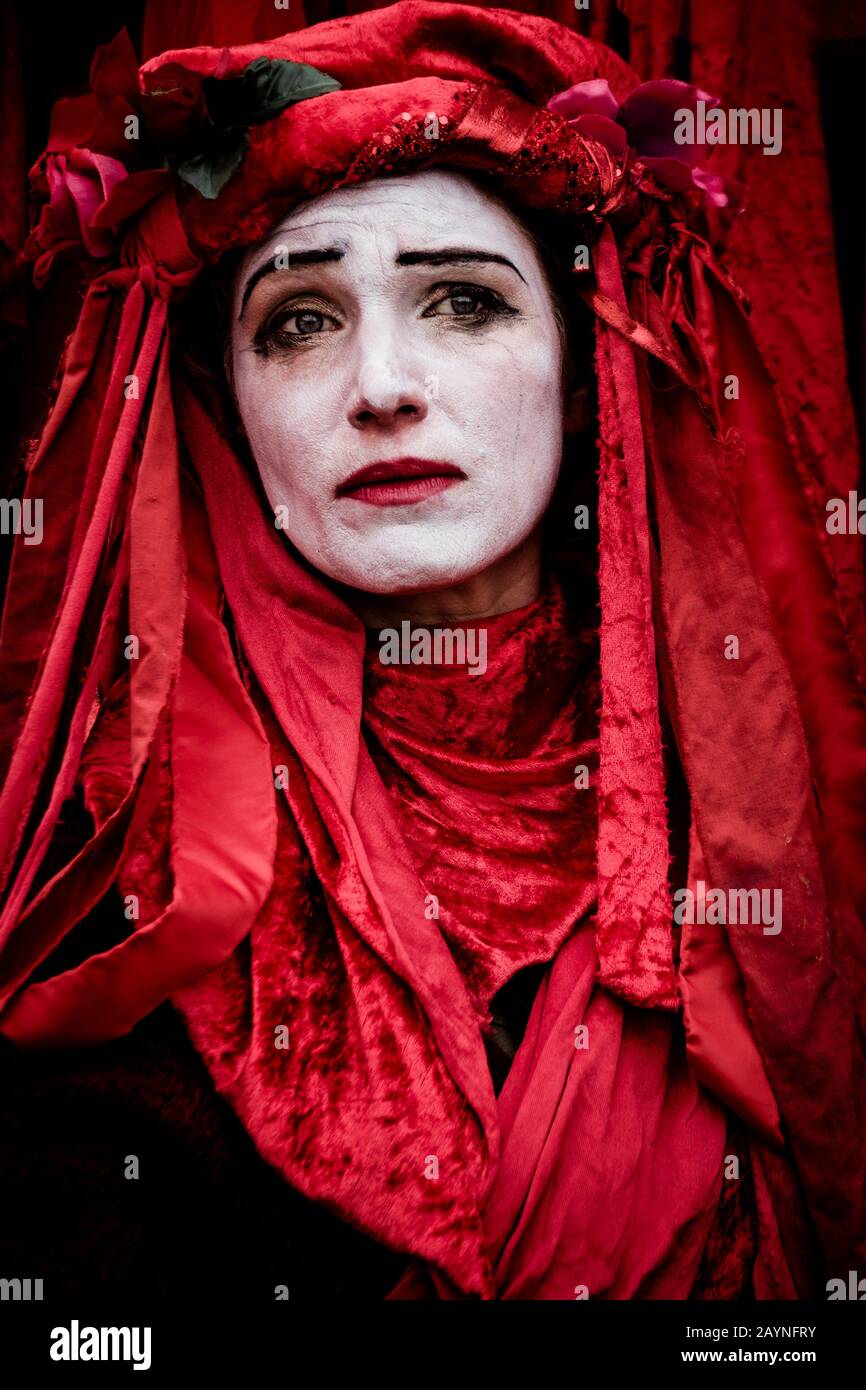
[406, 573]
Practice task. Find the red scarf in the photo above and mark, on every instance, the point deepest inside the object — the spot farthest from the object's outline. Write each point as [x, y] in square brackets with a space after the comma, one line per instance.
[484, 773]
[610, 1154]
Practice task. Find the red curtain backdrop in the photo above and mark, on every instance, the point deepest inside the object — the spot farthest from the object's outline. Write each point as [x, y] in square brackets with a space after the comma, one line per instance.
[763, 53]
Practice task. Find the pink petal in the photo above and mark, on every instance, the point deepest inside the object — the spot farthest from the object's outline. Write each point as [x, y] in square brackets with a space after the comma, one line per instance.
[679, 178]
[605, 131]
[585, 98]
[713, 185]
[649, 116]
[673, 173]
[110, 171]
[59, 219]
[89, 178]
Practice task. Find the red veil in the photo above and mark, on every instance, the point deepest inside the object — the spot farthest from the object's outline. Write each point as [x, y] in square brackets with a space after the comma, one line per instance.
[710, 526]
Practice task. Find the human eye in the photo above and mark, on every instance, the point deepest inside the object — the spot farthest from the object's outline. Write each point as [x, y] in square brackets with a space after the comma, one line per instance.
[293, 325]
[470, 305]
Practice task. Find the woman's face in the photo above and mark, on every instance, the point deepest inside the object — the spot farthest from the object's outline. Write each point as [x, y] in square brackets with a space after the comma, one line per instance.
[396, 361]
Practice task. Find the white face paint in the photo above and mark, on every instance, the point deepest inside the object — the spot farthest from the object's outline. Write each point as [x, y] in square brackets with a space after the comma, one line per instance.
[398, 348]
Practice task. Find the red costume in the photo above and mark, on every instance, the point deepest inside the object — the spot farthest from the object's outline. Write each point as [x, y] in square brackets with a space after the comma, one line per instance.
[600, 1166]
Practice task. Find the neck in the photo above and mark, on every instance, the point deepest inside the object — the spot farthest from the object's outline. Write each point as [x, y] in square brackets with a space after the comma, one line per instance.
[511, 582]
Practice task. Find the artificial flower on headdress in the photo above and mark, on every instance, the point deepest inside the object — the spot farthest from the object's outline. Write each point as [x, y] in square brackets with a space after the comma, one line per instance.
[264, 88]
[100, 166]
[645, 122]
[114, 150]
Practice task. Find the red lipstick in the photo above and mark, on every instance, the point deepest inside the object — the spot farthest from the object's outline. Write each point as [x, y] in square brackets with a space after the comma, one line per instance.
[399, 482]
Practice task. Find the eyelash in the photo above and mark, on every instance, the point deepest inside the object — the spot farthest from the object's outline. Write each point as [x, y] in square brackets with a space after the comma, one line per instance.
[270, 337]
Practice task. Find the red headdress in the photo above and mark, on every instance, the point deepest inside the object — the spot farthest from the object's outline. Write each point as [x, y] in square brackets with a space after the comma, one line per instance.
[710, 528]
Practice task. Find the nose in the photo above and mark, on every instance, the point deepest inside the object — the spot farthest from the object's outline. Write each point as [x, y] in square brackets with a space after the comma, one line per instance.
[387, 390]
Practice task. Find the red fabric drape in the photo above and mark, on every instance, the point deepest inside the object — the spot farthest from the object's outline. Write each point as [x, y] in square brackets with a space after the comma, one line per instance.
[168, 24]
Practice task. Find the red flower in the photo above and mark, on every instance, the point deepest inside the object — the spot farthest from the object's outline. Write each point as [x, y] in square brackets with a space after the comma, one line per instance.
[646, 122]
[77, 184]
[102, 163]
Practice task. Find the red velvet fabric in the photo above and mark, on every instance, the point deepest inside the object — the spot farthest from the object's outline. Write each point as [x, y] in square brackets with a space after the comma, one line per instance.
[487, 804]
[609, 1149]
[307, 909]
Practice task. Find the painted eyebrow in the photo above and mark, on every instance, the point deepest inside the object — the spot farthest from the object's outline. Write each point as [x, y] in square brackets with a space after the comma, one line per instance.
[455, 255]
[449, 255]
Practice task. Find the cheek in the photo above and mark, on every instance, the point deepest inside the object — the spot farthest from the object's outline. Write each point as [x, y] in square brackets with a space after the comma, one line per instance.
[517, 415]
[280, 423]
[536, 384]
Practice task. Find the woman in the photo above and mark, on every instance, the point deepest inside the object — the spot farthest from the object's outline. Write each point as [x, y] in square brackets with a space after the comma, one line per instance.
[381, 788]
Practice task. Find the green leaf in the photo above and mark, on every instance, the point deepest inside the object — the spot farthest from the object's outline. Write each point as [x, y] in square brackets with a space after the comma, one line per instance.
[278, 83]
[265, 87]
[209, 172]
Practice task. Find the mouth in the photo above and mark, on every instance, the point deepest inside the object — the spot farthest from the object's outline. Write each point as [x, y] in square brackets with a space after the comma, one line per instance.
[400, 482]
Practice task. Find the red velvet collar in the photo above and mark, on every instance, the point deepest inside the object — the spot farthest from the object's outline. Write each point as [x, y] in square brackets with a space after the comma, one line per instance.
[485, 774]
